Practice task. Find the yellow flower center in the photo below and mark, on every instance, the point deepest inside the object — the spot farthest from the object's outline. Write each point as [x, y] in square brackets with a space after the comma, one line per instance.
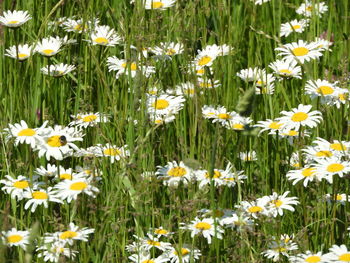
[101, 41]
[275, 125]
[54, 141]
[78, 186]
[217, 174]
[184, 252]
[21, 184]
[339, 197]
[160, 231]
[177, 172]
[14, 239]
[224, 116]
[343, 96]
[89, 118]
[296, 26]
[325, 90]
[345, 257]
[204, 60]
[285, 71]
[22, 55]
[189, 91]
[26, 132]
[148, 261]
[68, 234]
[308, 172]
[133, 66]
[39, 195]
[202, 226]
[255, 209]
[156, 5]
[200, 71]
[277, 203]
[313, 259]
[111, 152]
[335, 167]
[48, 52]
[309, 8]
[299, 116]
[153, 243]
[78, 27]
[13, 22]
[324, 154]
[160, 104]
[300, 51]
[338, 147]
[65, 176]
[171, 52]
[238, 126]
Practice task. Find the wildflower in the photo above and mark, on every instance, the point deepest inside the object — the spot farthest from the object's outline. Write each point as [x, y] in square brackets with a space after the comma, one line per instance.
[277, 203]
[307, 174]
[285, 69]
[308, 9]
[337, 254]
[15, 238]
[49, 46]
[104, 36]
[251, 74]
[301, 116]
[161, 232]
[168, 49]
[161, 119]
[207, 227]
[182, 254]
[40, 197]
[70, 189]
[20, 52]
[147, 258]
[23, 134]
[239, 221]
[205, 83]
[338, 198]
[293, 26]
[280, 247]
[321, 88]
[308, 257]
[53, 252]
[205, 58]
[79, 25]
[273, 126]
[165, 104]
[265, 84]
[124, 67]
[255, 208]
[57, 70]
[322, 44]
[173, 174]
[260, 2]
[16, 187]
[158, 4]
[51, 170]
[248, 156]
[185, 89]
[149, 242]
[238, 123]
[300, 52]
[14, 18]
[112, 151]
[332, 166]
[88, 119]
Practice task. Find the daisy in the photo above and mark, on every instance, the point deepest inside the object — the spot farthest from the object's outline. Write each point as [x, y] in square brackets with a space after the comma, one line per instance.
[221, 115]
[149, 242]
[158, 4]
[183, 254]
[165, 104]
[239, 221]
[161, 232]
[321, 88]
[265, 81]
[301, 116]
[112, 151]
[341, 97]
[40, 197]
[14, 18]
[292, 134]
[204, 177]
[285, 69]
[128, 68]
[308, 9]
[205, 83]
[339, 198]
[251, 74]
[23, 134]
[206, 227]
[147, 258]
[327, 149]
[300, 52]
[293, 26]
[173, 174]
[57, 142]
[306, 174]
[332, 166]
[168, 49]
[221, 50]
[79, 26]
[273, 126]
[49, 46]
[70, 189]
[53, 252]
[104, 36]
[17, 187]
[185, 89]
[205, 58]
[57, 70]
[24, 52]
[199, 70]
[159, 119]
[238, 123]
[88, 119]
[67, 174]
[277, 203]
[70, 235]
[280, 247]
[308, 257]
[260, 2]
[322, 44]
[51, 170]
[255, 208]
[248, 156]
[338, 254]
[15, 238]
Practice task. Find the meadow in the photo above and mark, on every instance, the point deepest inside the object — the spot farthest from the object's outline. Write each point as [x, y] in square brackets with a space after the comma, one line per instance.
[174, 131]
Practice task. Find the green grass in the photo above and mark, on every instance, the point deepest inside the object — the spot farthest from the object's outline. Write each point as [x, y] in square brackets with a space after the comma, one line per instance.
[127, 205]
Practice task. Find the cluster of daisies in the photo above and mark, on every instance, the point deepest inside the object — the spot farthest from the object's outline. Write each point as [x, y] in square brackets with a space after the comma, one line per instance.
[52, 246]
[285, 248]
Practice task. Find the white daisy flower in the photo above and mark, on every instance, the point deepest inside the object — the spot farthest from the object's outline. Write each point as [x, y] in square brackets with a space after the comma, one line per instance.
[164, 104]
[301, 116]
[185, 89]
[295, 25]
[248, 156]
[332, 166]
[239, 221]
[300, 52]
[57, 70]
[238, 123]
[277, 248]
[168, 49]
[321, 88]
[161, 232]
[308, 8]
[251, 74]
[15, 238]
[70, 189]
[277, 203]
[205, 83]
[255, 208]
[322, 44]
[285, 69]
[272, 126]
[147, 258]
[149, 242]
[158, 4]
[88, 119]
[24, 52]
[112, 151]
[49, 46]
[53, 252]
[104, 36]
[51, 170]
[128, 68]
[338, 254]
[16, 187]
[341, 97]
[265, 84]
[308, 257]
[307, 174]
[79, 25]
[183, 254]
[14, 18]
[40, 197]
[204, 178]
[260, 2]
[207, 227]
[161, 119]
[173, 174]
[205, 57]
[23, 134]
[338, 198]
